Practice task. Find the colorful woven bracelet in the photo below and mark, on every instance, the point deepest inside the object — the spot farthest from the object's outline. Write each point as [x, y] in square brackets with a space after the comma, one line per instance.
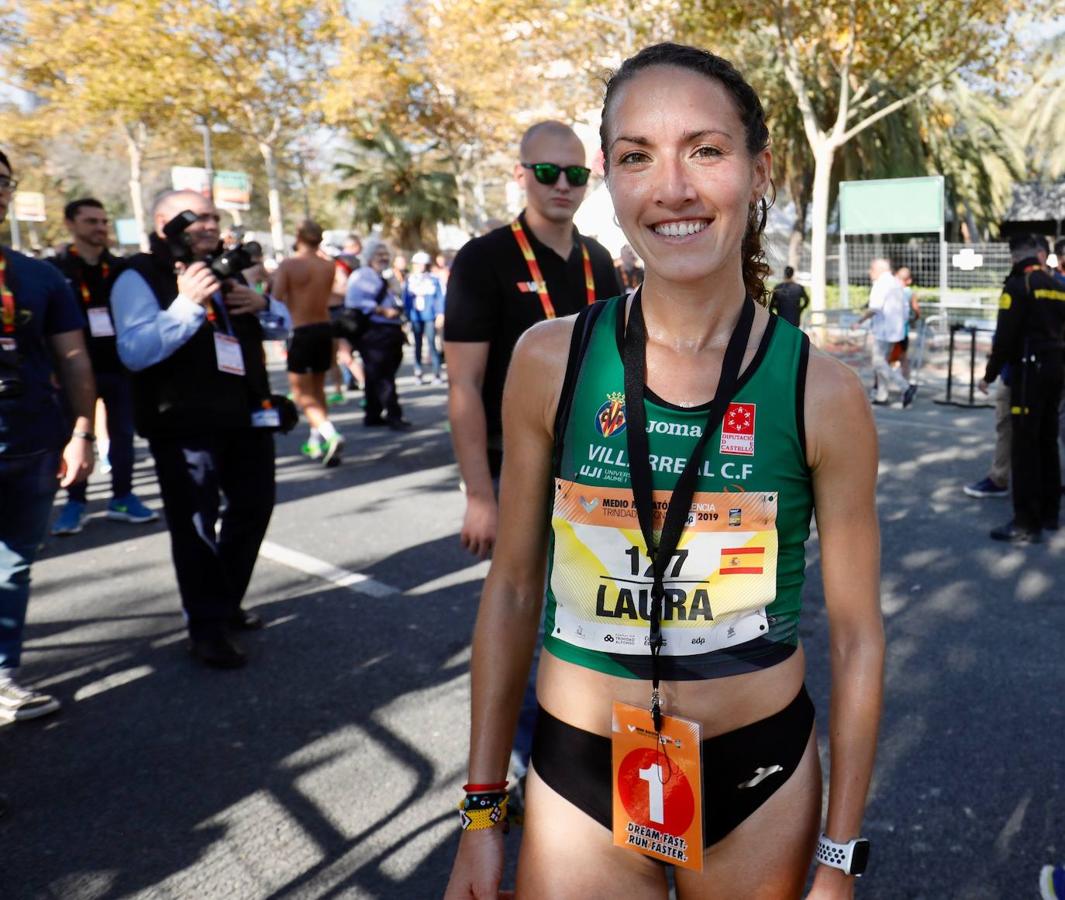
[478, 812]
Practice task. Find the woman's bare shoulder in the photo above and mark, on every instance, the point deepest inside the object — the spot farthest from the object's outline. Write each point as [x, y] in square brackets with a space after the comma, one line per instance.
[836, 407]
[538, 366]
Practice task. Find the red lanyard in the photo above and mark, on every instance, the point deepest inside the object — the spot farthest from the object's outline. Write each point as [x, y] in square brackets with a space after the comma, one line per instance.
[105, 270]
[538, 276]
[7, 299]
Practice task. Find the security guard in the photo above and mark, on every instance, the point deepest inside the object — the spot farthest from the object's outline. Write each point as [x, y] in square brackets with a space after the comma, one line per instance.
[1030, 337]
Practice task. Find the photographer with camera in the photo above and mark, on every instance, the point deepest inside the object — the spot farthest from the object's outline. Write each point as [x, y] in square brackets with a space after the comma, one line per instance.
[41, 335]
[187, 329]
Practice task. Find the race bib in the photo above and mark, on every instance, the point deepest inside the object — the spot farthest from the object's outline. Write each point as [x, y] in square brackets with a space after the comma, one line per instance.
[227, 352]
[657, 786]
[100, 324]
[717, 584]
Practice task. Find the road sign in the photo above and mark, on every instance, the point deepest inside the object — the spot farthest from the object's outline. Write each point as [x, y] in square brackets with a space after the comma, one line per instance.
[891, 206]
[232, 190]
[29, 206]
[127, 232]
[190, 178]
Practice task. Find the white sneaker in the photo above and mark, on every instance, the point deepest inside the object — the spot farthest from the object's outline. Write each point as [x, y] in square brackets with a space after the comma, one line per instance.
[18, 703]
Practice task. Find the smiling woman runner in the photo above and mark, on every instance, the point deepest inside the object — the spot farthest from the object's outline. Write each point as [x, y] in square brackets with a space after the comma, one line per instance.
[674, 724]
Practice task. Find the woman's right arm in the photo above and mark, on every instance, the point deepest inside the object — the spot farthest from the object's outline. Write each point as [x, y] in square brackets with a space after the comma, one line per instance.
[509, 615]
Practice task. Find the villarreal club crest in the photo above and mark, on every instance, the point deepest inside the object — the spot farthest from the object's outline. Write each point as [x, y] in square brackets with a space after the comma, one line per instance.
[610, 419]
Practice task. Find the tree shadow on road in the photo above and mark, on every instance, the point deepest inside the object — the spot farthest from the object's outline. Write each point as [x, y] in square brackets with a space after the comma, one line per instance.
[163, 776]
[967, 800]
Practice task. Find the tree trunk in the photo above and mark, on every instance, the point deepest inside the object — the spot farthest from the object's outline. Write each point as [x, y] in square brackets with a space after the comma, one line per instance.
[136, 136]
[795, 246]
[277, 225]
[823, 154]
[799, 189]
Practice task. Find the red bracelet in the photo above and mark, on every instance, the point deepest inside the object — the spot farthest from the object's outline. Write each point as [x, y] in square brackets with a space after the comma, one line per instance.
[482, 788]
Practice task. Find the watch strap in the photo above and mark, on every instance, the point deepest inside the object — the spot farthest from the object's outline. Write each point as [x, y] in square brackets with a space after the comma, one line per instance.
[838, 856]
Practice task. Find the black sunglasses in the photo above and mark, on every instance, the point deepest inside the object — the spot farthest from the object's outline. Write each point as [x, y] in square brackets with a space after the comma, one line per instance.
[547, 173]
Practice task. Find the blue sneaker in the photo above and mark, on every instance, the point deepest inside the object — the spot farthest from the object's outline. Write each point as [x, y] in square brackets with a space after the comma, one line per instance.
[130, 509]
[1052, 883]
[985, 487]
[71, 518]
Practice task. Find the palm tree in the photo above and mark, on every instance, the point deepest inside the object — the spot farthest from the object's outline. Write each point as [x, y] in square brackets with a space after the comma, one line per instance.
[1039, 112]
[389, 184]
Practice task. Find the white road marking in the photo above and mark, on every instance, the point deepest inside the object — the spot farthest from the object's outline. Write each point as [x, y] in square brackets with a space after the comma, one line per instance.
[309, 565]
[115, 679]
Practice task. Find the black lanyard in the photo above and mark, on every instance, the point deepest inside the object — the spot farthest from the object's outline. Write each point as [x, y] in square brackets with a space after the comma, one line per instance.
[635, 363]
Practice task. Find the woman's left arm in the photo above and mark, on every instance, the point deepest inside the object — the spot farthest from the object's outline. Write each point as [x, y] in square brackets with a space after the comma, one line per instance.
[843, 455]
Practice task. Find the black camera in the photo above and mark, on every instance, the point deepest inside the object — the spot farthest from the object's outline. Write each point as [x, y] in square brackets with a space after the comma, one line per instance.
[227, 264]
[11, 383]
[230, 263]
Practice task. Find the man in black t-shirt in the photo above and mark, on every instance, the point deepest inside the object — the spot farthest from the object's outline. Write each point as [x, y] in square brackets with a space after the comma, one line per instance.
[789, 299]
[495, 293]
[90, 270]
[501, 284]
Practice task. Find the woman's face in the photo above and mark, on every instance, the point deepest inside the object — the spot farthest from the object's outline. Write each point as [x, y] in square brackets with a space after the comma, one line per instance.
[679, 173]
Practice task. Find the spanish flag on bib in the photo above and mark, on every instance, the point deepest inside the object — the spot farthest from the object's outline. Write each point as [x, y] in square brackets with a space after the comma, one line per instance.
[742, 560]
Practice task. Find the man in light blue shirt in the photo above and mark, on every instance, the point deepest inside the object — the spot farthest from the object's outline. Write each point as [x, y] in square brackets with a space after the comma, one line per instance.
[381, 344]
[202, 400]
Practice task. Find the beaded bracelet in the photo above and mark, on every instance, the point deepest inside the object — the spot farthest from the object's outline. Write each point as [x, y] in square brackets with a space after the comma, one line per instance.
[478, 812]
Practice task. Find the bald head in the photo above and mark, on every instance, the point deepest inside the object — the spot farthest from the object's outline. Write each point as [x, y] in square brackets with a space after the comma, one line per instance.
[170, 203]
[550, 142]
[203, 234]
[878, 267]
[549, 130]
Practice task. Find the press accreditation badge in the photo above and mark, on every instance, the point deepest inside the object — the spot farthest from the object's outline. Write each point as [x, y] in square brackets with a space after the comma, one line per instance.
[100, 324]
[657, 786]
[227, 352]
[266, 418]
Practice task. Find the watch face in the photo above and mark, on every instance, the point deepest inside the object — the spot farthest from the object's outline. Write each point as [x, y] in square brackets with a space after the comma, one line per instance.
[859, 857]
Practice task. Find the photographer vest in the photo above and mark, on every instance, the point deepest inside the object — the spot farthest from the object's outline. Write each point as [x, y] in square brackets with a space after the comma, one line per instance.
[733, 590]
[186, 393]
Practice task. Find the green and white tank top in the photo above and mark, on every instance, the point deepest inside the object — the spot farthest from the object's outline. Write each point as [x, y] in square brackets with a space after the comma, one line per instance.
[734, 587]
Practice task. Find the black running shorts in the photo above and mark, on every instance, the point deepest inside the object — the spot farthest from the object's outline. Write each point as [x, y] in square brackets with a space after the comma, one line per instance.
[311, 348]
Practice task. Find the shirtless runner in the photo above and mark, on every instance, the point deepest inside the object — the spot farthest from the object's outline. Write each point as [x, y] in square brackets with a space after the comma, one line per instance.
[303, 283]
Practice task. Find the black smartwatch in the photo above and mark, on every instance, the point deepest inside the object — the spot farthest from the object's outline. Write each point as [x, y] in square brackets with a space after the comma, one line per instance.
[851, 858]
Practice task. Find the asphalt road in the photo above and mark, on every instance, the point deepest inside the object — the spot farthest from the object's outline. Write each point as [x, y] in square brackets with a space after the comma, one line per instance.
[330, 766]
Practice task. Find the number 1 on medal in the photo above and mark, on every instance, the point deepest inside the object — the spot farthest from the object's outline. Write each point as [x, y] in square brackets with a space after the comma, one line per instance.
[656, 799]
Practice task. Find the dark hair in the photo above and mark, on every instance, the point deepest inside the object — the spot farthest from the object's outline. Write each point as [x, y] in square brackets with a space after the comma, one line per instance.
[309, 233]
[254, 248]
[749, 108]
[6, 162]
[1027, 243]
[1059, 249]
[788, 271]
[71, 210]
